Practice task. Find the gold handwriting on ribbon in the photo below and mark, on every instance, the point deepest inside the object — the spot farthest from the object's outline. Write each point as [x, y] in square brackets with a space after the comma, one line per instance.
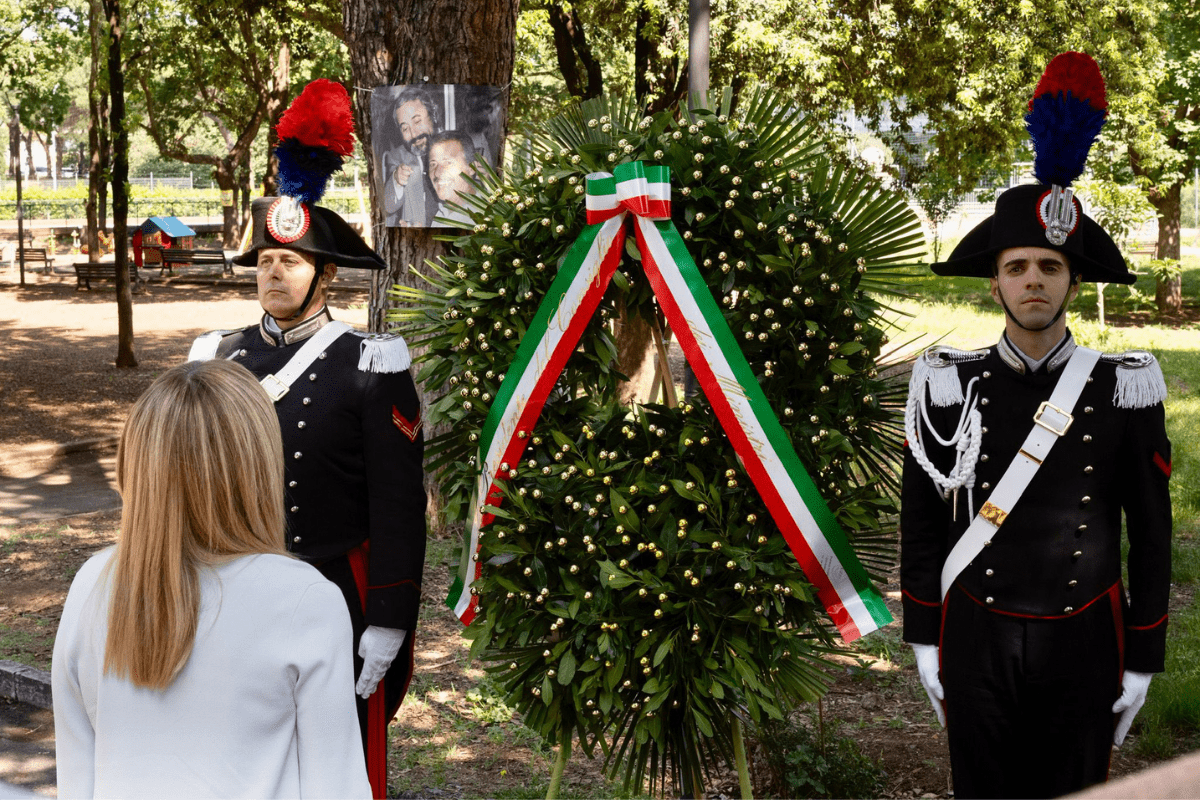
[737, 403]
[560, 312]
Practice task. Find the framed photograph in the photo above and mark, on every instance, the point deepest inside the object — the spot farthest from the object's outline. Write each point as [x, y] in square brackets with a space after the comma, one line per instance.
[427, 139]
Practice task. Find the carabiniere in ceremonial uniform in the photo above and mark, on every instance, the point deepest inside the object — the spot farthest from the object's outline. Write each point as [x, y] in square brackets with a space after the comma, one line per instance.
[348, 410]
[1018, 468]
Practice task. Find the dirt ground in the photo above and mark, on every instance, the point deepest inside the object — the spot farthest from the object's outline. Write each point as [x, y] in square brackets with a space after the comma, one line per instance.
[58, 383]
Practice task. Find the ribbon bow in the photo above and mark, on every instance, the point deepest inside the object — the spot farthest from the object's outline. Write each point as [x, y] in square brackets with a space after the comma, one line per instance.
[642, 189]
[813, 533]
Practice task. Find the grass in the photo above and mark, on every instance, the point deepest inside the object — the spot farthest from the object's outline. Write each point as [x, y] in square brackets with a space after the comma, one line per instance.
[1170, 720]
[960, 312]
[16, 646]
[10, 539]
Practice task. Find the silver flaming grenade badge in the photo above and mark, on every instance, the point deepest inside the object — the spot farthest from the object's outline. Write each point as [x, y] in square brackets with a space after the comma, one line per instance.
[287, 219]
[1058, 214]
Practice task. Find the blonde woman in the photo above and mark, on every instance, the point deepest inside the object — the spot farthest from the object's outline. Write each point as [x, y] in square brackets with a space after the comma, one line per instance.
[197, 658]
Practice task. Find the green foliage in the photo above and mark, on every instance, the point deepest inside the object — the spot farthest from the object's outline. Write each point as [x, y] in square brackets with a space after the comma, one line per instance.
[806, 759]
[204, 98]
[1164, 269]
[485, 705]
[1119, 209]
[36, 39]
[887, 645]
[635, 587]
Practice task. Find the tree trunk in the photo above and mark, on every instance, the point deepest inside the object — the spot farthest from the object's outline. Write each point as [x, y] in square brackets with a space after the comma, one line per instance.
[226, 180]
[572, 51]
[20, 213]
[276, 105]
[120, 178]
[105, 162]
[1168, 294]
[635, 357]
[95, 123]
[14, 147]
[242, 195]
[390, 43]
[30, 173]
[48, 149]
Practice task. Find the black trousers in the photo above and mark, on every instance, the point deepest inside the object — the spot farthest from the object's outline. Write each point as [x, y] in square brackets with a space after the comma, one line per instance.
[1028, 700]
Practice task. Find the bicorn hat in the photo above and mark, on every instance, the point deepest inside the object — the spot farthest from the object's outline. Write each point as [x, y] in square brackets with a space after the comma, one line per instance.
[1065, 116]
[315, 134]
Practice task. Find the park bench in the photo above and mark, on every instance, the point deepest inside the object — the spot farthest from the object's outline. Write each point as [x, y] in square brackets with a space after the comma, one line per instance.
[35, 257]
[88, 271]
[1144, 247]
[174, 255]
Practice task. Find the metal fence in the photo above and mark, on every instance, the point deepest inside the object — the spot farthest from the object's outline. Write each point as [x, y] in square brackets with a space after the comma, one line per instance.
[65, 210]
[150, 181]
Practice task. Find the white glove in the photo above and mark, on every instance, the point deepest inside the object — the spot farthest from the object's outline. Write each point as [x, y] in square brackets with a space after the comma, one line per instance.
[377, 648]
[1133, 694]
[927, 668]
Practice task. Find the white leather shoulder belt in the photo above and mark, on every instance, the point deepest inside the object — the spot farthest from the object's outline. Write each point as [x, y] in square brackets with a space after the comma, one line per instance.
[1051, 421]
[277, 385]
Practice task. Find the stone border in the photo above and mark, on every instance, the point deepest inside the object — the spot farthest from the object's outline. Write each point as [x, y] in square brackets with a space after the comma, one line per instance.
[26, 684]
[44, 455]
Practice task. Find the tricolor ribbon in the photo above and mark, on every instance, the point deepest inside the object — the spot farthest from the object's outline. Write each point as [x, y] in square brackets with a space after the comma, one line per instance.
[643, 191]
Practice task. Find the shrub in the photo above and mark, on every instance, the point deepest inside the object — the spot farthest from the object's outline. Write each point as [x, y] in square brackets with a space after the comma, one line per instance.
[806, 758]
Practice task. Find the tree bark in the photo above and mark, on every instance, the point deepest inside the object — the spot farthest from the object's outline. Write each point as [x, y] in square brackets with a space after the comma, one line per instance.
[1168, 294]
[636, 359]
[31, 173]
[245, 190]
[120, 179]
[105, 163]
[14, 147]
[223, 173]
[44, 143]
[572, 51]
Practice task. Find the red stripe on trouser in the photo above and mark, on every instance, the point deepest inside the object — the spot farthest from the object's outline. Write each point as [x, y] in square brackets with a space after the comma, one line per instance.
[1114, 595]
[376, 712]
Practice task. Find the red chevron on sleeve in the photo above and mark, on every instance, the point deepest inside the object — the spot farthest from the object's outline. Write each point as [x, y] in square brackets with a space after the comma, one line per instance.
[410, 428]
[1162, 464]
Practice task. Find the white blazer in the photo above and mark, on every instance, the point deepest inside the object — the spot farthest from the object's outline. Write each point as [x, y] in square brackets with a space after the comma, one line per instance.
[264, 706]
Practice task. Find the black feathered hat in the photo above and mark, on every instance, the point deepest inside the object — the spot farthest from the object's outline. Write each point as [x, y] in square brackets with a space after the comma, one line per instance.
[315, 134]
[1065, 116]
[311, 228]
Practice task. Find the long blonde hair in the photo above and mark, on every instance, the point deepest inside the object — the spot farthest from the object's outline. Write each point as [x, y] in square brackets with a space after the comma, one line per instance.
[200, 471]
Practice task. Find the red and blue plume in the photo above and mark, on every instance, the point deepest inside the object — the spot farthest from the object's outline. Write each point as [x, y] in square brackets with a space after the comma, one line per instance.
[315, 134]
[1065, 116]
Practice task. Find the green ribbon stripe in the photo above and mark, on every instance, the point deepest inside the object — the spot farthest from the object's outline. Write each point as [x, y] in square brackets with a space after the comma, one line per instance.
[776, 436]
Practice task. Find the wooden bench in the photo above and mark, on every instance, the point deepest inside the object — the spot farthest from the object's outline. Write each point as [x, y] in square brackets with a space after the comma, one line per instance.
[35, 256]
[1145, 247]
[173, 255]
[88, 271]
